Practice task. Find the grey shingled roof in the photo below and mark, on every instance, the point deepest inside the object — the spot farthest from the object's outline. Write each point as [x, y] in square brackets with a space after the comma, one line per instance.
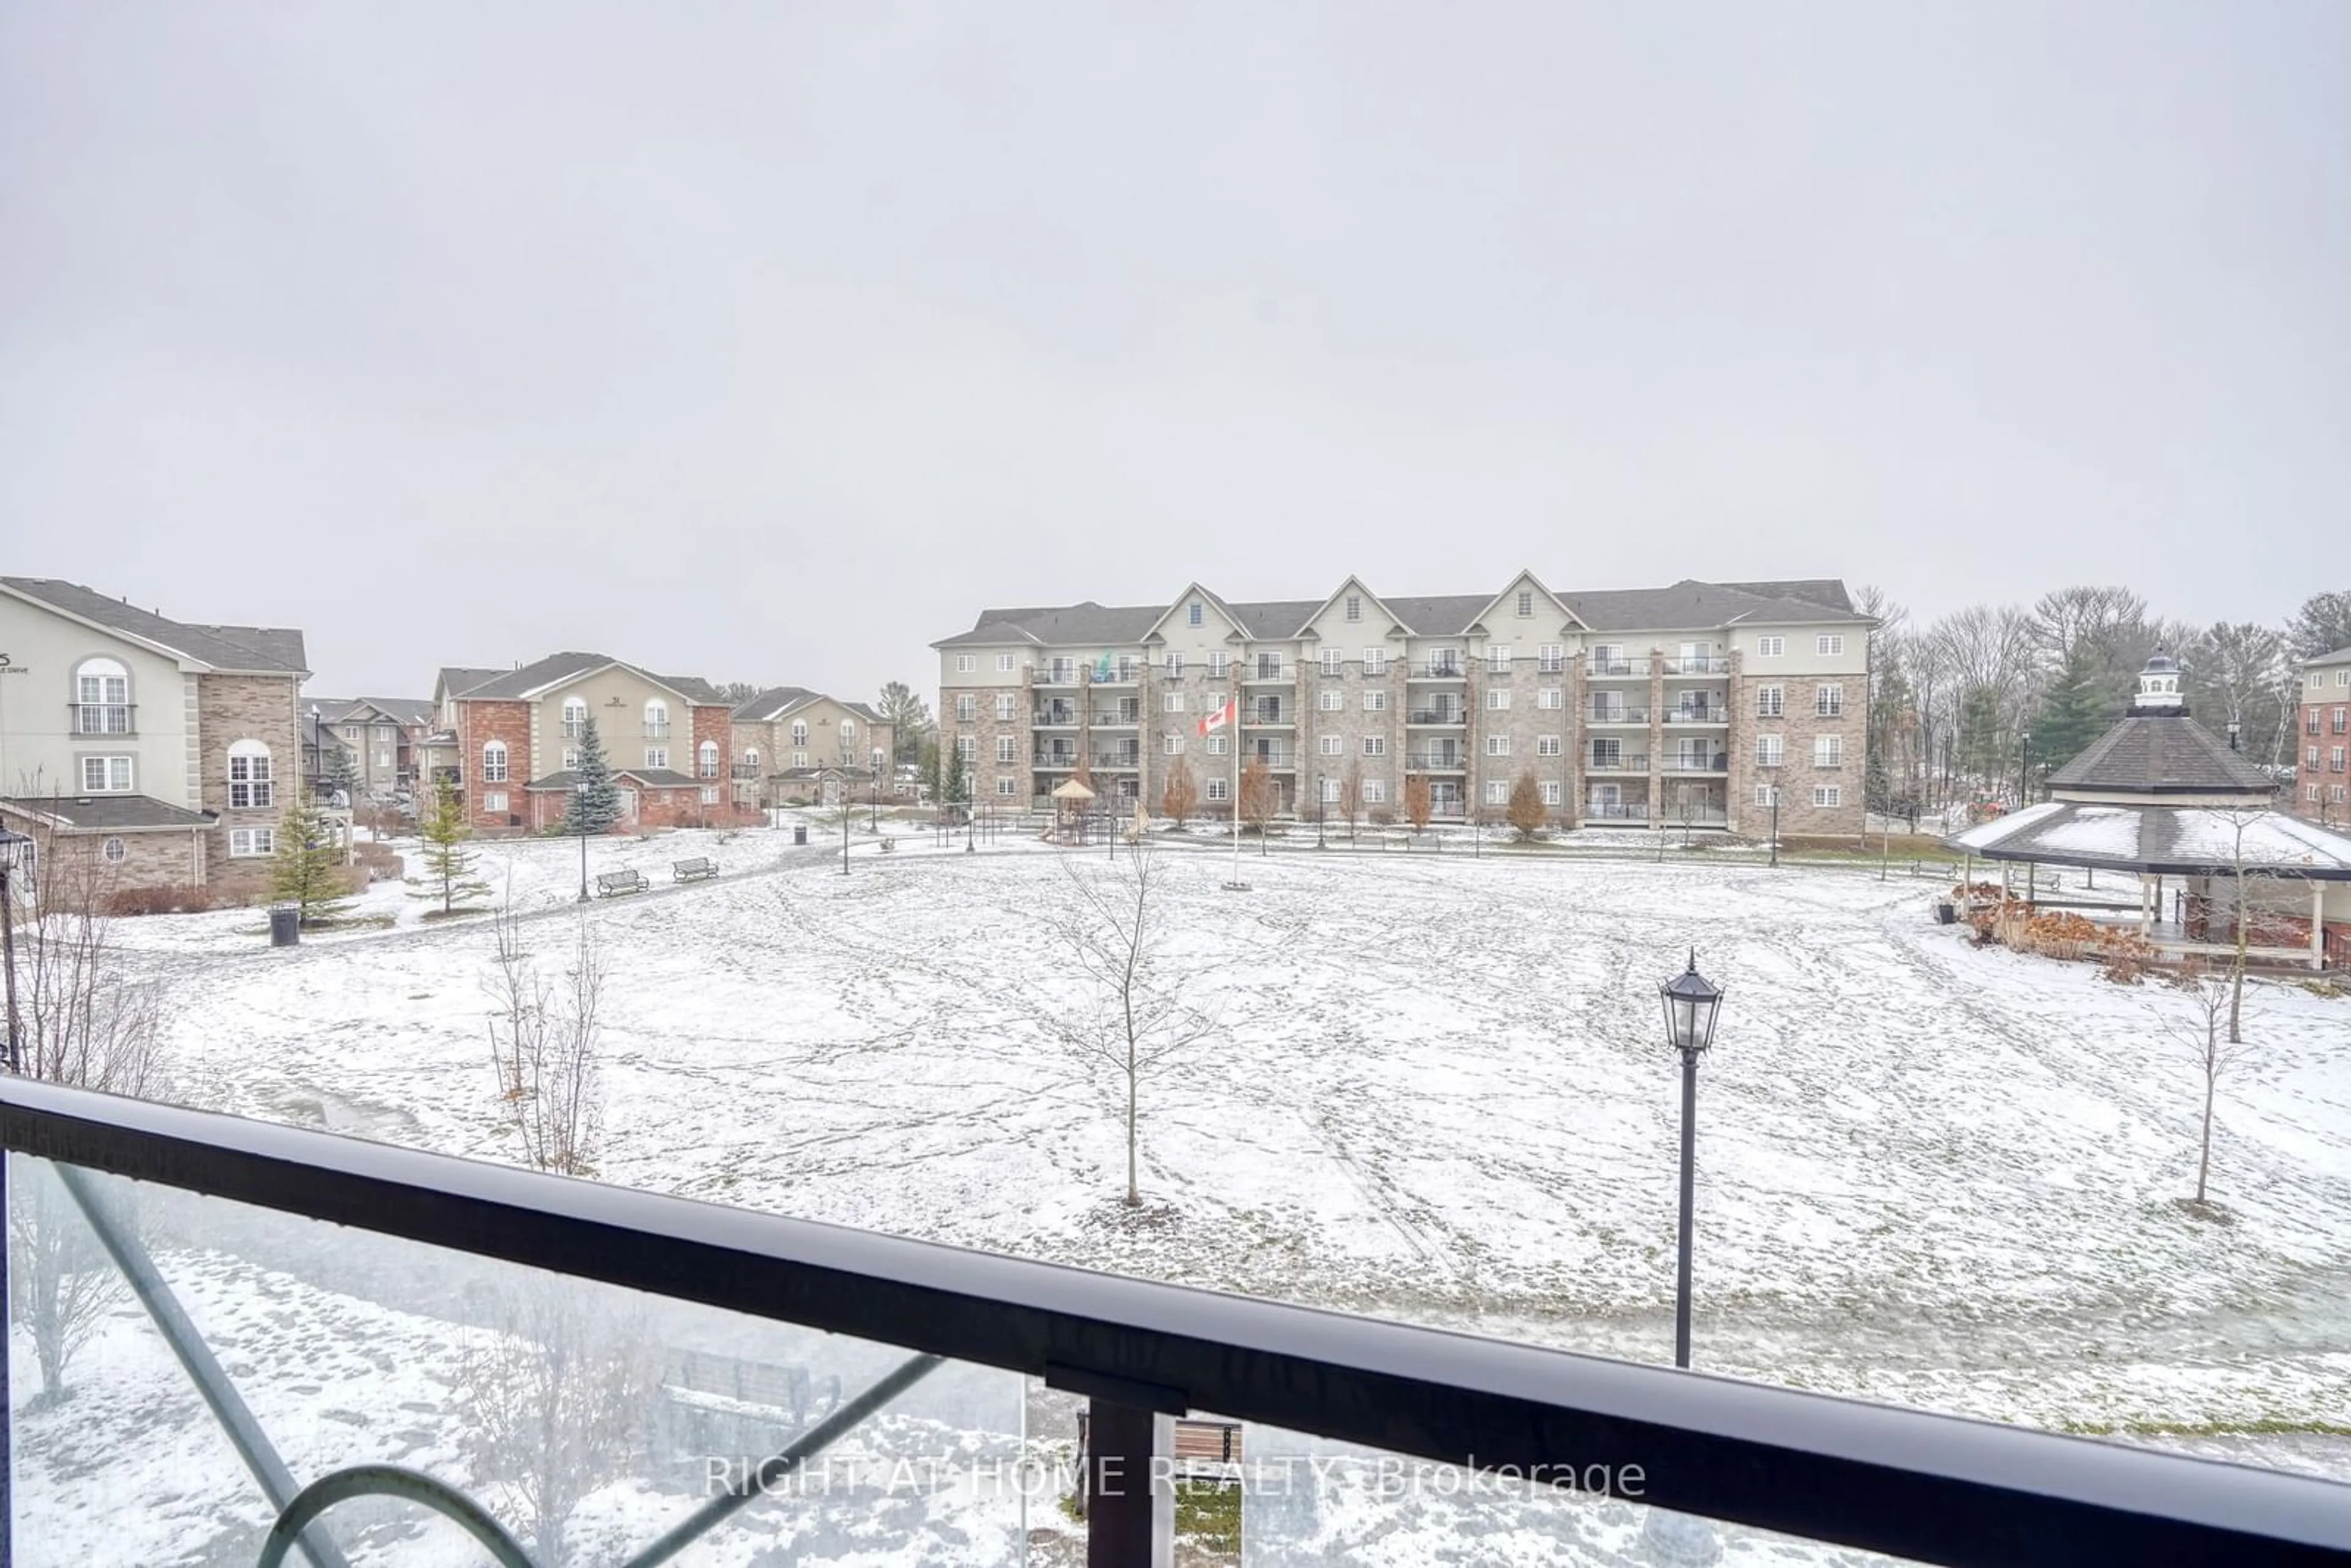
[652, 777]
[1689, 605]
[399, 710]
[2163, 753]
[270, 649]
[87, 813]
[2340, 656]
[459, 679]
[1823, 590]
[512, 685]
[773, 704]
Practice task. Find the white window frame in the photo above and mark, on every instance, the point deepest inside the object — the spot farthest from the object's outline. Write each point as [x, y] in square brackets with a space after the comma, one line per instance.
[1008, 749]
[1551, 791]
[706, 759]
[1770, 702]
[1331, 701]
[1375, 702]
[1763, 794]
[1828, 751]
[1497, 746]
[570, 759]
[1829, 645]
[966, 663]
[575, 719]
[252, 777]
[1771, 750]
[252, 843]
[1194, 615]
[1171, 703]
[494, 801]
[1771, 647]
[966, 710]
[108, 773]
[1333, 662]
[1498, 658]
[1551, 658]
[1006, 707]
[1216, 745]
[1828, 796]
[1003, 664]
[1216, 663]
[1008, 787]
[1172, 745]
[1331, 746]
[1219, 791]
[657, 756]
[1375, 661]
[1375, 746]
[1497, 791]
[1551, 697]
[1497, 699]
[1526, 604]
[1175, 666]
[1828, 700]
[494, 762]
[967, 748]
[114, 852]
[1551, 745]
[104, 686]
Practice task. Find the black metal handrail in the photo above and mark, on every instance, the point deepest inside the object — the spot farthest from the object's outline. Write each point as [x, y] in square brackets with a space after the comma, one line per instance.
[1936, 1489]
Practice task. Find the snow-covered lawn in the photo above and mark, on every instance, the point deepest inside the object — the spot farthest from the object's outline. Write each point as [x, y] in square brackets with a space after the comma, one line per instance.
[1928, 1174]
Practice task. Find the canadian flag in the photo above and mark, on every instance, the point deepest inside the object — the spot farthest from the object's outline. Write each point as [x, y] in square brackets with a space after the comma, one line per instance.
[1222, 716]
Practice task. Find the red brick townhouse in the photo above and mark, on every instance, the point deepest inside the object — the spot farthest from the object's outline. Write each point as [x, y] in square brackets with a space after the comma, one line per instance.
[510, 739]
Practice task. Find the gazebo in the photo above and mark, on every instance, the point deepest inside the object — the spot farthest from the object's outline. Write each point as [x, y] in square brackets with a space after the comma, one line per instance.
[1071, 798]
[2160, 796]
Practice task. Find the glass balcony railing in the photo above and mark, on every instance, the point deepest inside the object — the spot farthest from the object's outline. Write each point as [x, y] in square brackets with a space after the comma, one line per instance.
[284, 1345]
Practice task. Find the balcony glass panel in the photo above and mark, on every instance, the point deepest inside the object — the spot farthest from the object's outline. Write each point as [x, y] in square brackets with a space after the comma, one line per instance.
[586, 1419]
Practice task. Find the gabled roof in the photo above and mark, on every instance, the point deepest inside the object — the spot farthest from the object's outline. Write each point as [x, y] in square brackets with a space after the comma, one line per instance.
[456, 680]
[773, 704]
[1526, 575]
[1828, 591]
[2340, 656]
[535, 679]
[1354, 583]
[270, 650]
[1690, 605]
[89, 813]
[650, 778]
[2162, 754]
[399, 710]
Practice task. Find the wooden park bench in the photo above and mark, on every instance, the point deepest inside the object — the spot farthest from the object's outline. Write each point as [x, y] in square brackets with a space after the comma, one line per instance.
[694, 870]
[609, 883]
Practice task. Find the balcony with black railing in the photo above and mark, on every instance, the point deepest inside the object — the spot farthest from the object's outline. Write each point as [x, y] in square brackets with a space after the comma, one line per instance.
[1429, 717]
[1617, 811]
[1439, 761]
[314, 1326]
[1617, 762]
[1440, 670]
[104, 718]
[1606, 669]
[1689, 664]
[1618, 713]
[1698, 713]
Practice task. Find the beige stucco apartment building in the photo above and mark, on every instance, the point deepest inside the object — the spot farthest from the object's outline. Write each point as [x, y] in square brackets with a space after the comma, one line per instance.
[791, 743]
[166, 749]
[1694, 703]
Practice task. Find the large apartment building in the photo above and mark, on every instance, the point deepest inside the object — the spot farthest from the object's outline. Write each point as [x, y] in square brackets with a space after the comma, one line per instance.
[2321, 782]
[1692, 704]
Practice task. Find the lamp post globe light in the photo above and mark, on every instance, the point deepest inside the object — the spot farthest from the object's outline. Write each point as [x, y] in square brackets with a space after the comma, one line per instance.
[15, 849]
[1691, 1005]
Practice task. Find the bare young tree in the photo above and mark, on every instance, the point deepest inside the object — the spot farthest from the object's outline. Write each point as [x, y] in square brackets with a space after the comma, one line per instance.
[1350, 796]
[84, 1021]
[1116, 925]
[1182, 794]
[1259, 799]
[545, 1039]
[558, 1395]
[2211, 1033]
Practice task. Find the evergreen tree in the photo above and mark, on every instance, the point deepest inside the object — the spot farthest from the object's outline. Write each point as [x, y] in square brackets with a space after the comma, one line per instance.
[595, 799]
[342, 774]
[2072, 711]
[448, 863]
[1890, 701]
[1982, 754]
[956, 788]
[308, 869]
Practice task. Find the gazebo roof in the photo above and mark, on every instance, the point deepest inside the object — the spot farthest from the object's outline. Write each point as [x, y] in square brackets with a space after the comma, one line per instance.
[1071, 790]
[2168, 753]
[2182, 841]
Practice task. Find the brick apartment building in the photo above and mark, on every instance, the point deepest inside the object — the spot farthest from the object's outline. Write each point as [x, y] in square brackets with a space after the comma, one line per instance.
[1691, 703]
[2322, 784]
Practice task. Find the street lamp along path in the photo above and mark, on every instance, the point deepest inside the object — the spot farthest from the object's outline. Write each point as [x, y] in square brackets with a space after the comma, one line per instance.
[1691, 1004]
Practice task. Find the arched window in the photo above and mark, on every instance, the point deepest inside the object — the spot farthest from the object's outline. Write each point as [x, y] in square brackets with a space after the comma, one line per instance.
[848, 735]
[706, 755]
[751, 756]
[494, 762]
[657, 720]
[252, 786]
[575, 717]
[102, 699]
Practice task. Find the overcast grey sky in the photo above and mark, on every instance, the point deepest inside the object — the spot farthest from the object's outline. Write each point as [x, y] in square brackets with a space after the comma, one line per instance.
[769, 342]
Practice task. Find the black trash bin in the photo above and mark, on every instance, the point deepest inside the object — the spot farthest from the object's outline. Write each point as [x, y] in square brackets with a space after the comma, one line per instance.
[284, 927]
[1947, 914]
[799, 832]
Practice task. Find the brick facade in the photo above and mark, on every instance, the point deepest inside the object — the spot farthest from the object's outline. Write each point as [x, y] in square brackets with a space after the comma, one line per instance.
[233, 708]
[479, 724]
[1799, 725]
[2322, 751]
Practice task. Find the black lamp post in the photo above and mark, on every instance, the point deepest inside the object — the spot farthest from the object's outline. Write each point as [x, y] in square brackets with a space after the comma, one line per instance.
[1690, 1005]
[1321, 807]
[580, 816]
[1775, 824]
[2023, 772]
[13, 848]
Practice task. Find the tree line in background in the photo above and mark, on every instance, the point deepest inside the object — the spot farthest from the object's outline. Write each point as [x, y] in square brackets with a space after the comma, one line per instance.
[1951, 700]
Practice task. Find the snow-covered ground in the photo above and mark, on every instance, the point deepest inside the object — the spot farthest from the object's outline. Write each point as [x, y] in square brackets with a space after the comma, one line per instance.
[1928, 1174]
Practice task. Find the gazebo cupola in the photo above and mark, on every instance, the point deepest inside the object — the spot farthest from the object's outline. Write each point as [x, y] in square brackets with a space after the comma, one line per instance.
[2158, 689]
